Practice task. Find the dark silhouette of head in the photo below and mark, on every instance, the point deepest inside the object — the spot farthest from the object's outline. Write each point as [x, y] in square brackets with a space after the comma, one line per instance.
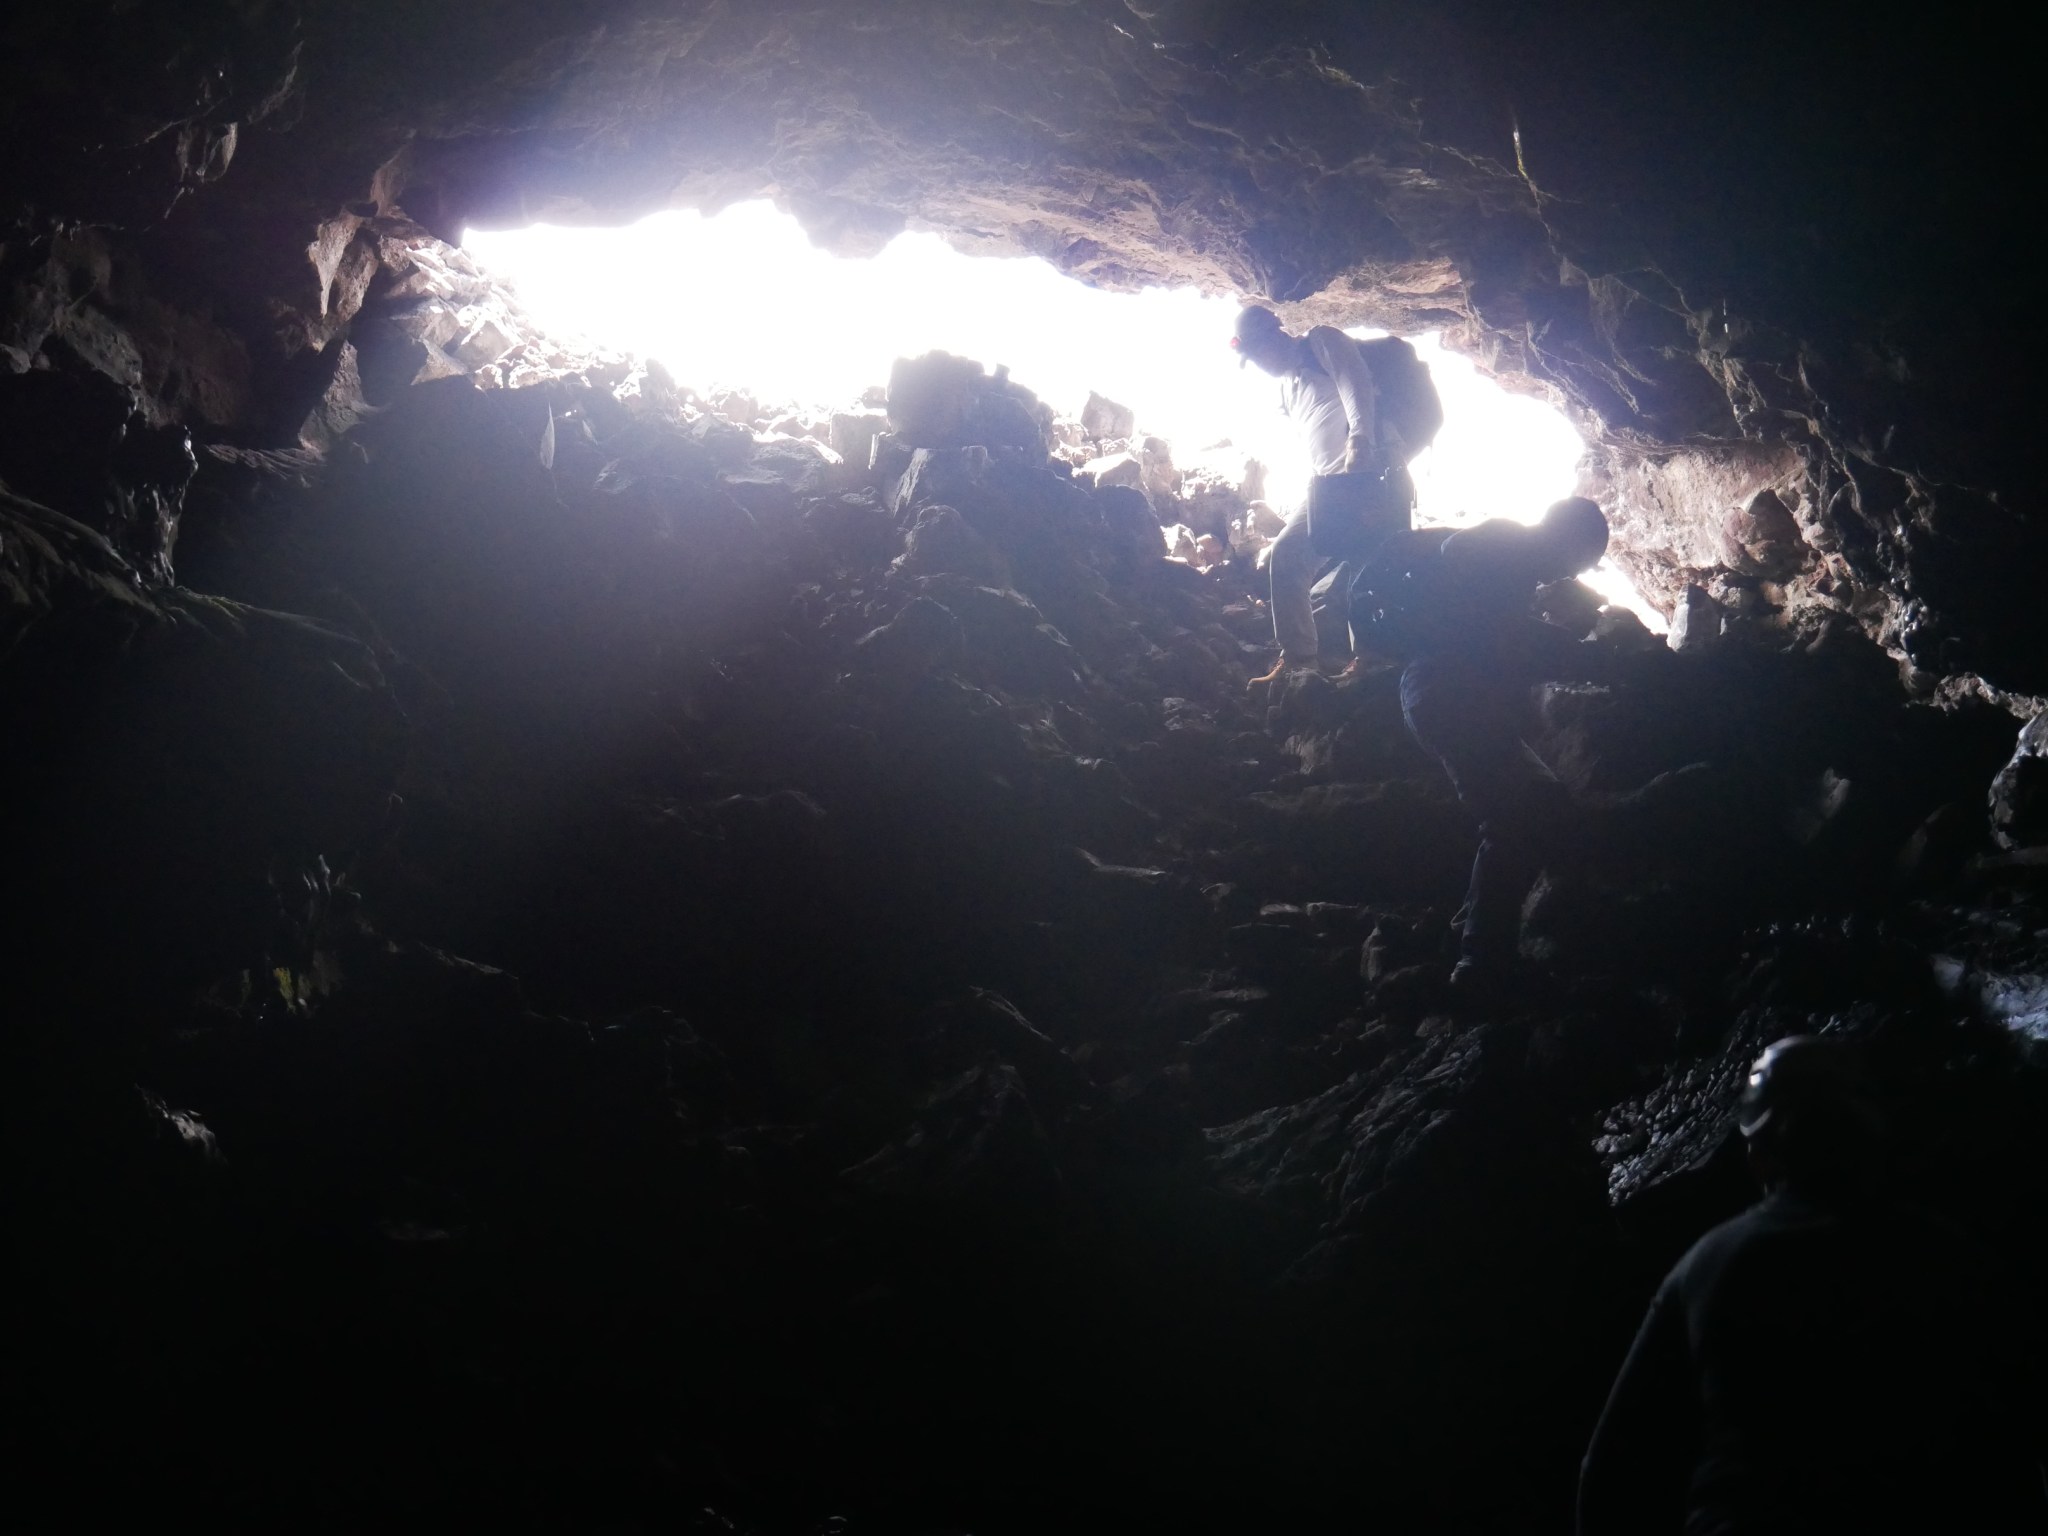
[1574, 537]
[1810, 1117]
[1259, 338]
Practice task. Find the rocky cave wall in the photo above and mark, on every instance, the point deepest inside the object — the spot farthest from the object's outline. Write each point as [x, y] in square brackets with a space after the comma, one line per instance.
[578, 962]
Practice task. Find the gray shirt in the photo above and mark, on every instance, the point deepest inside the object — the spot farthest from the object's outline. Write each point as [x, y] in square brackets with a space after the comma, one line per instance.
[1332, 401]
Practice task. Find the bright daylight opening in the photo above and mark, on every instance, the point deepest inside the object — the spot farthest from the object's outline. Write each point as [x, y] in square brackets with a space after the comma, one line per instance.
[743, 300]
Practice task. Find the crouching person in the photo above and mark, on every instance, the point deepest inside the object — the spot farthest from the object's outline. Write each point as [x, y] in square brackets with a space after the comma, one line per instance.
[1458, 609]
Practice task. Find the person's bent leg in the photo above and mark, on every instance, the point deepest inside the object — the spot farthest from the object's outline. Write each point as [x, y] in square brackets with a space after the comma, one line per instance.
[1503, 870]
[1336, 606]
[1461, 715]
[1465, 720]
[1292, 569]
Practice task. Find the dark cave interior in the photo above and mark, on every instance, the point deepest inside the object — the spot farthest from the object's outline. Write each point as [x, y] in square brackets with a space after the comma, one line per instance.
[699, 979]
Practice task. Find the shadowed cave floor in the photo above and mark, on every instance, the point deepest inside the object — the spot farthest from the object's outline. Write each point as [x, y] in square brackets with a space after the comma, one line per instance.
[772, 1005]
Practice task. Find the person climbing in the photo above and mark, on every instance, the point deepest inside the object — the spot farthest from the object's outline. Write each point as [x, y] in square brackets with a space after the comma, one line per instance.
[1365, 409]
[1828, 1360]
[1456, 608]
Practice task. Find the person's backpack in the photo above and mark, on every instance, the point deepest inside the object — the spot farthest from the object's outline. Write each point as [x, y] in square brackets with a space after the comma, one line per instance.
[1397, 596]
[1407, 402]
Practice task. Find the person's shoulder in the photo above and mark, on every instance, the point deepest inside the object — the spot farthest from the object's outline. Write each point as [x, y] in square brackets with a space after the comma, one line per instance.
[1328, 341]
[1714, 1246]
[1493, 530]
[1490, 540]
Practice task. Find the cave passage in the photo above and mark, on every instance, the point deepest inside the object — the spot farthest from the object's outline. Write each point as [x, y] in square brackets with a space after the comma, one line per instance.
[637, 934]
[741, 302]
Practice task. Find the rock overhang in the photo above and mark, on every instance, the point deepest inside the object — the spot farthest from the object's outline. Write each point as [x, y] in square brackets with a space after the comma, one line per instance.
[1280, 156]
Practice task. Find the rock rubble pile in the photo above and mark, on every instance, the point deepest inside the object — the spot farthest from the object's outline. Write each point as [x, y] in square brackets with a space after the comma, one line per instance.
[691, 964]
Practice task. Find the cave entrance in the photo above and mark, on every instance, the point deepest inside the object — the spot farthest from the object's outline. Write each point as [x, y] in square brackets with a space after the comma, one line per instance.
[743, 301]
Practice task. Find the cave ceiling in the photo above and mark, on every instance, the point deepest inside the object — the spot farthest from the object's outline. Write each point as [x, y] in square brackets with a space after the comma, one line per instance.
[1728, 242]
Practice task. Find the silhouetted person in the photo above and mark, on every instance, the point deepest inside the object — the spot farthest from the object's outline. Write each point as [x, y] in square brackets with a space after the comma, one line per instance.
[1327, 390]
[1827, 1361]
[1458, 607]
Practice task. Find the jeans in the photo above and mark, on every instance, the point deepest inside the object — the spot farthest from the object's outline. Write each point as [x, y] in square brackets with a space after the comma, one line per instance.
[1295, 560]
[1292, 568]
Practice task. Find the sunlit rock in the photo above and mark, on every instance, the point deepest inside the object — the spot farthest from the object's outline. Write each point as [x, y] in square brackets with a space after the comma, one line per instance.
[1102, 418]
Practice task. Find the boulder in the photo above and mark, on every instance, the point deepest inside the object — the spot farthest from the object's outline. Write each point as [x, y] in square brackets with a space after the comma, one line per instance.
[940, 542]
[942, 401]
[1162, 479]
[854, 529]
[1134, 533]
[485, 338]
[1623, 629]
[2019, 794]
[1117, 469]
[1103, 418]
[955, 476]
[1696, 622]
[924, 638]
[1570, 605]
[1209, 505]
[852, 434]
[736, 406]
[1762, 537]
[1010, 642]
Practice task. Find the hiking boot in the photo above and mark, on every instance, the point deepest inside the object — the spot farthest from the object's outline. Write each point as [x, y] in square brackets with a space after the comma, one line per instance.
[1280, 669]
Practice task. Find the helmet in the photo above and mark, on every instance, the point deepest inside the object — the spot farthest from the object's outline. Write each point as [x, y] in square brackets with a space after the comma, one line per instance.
[1808, 1085]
